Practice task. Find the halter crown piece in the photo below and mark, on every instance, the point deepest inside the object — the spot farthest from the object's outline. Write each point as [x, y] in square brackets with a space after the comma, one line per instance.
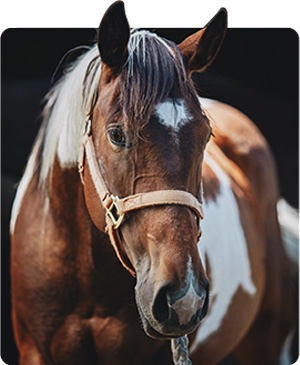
[116, 207]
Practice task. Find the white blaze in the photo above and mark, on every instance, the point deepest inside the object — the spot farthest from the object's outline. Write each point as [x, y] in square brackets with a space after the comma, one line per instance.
[173, 113]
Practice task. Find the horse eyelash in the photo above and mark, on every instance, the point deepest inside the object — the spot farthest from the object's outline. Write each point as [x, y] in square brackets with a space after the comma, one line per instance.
[210, 135]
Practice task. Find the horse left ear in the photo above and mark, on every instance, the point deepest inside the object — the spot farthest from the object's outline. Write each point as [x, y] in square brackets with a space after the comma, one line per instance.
[113, 36]
[200, 49]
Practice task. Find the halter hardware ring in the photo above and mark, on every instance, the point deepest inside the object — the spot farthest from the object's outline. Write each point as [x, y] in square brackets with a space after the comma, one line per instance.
[116, 221]
[88, 128]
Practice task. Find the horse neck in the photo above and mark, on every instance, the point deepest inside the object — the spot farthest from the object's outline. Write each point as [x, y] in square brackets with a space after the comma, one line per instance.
[93, 248]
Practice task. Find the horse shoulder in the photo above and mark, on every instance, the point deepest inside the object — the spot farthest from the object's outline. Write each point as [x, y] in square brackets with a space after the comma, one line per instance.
[37, 236]
[42, 285]
[61, 309]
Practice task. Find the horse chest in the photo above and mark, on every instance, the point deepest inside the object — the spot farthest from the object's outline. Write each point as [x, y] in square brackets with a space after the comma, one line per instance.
[105, 340]
[101, 328]
[74, 342]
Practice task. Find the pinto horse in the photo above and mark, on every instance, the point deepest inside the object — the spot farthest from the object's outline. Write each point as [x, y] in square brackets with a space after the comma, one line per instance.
[107, 261]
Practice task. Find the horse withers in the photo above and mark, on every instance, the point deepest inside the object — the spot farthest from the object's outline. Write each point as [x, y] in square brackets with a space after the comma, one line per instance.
[105, 260]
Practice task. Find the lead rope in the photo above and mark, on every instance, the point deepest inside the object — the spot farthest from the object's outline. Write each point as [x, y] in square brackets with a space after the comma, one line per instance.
[180, 352]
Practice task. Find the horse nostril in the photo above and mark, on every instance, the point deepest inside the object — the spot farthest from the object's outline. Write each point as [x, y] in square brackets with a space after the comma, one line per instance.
[164, 305]
[160, 309]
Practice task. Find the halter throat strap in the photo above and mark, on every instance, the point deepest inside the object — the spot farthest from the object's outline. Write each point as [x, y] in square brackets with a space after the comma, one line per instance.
[116, 207]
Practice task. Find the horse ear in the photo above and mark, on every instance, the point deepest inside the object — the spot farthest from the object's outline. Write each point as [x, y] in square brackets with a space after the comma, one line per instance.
[113, 36]
[200, 49]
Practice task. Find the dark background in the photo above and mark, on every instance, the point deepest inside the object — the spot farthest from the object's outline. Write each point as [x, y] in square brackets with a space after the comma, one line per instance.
[255, 71]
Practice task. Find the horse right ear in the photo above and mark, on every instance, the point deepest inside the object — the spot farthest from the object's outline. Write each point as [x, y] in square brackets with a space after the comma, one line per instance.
[200, 49]
[113, 36]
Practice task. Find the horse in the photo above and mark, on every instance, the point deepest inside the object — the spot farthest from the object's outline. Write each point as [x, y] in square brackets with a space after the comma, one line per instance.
[131, 226]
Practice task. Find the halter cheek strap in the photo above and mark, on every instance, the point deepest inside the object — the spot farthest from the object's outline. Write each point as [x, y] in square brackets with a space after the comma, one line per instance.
[116, 207]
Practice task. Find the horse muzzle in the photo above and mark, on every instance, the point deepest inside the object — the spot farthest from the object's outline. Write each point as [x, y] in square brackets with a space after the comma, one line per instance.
[173, 313]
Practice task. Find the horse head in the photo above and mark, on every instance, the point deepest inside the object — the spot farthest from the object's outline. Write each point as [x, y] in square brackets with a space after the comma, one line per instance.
[149, 134]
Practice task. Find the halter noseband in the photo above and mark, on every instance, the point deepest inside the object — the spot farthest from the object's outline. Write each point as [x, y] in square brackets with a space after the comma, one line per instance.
[120, 206]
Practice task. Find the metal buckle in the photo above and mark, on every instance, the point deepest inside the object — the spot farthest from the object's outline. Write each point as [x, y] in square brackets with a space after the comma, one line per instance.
[116, 221]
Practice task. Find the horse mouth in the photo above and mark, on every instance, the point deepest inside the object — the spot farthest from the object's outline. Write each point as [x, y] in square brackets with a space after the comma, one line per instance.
[166, 332]
[151, 332]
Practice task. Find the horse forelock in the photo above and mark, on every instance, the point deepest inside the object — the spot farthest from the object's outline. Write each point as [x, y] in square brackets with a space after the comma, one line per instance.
[154, 71]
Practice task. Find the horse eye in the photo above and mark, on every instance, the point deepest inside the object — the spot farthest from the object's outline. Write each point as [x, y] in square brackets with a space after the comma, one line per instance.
[117, 136]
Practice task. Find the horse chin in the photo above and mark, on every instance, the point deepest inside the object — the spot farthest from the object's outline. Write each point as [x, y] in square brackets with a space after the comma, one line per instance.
[162, 333]
[151, 332]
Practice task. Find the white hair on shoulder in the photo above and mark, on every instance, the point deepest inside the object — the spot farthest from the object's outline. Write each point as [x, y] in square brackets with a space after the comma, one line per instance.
[67, 108]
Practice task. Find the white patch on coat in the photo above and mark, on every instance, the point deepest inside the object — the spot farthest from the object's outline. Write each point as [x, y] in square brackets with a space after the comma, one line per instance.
[173, 113]
[225, 247]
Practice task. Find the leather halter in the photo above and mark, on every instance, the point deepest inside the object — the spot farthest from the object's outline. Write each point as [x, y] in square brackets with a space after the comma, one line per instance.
[116, 207]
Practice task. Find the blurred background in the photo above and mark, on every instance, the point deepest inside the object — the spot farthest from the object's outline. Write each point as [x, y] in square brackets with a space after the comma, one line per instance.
[255, 71]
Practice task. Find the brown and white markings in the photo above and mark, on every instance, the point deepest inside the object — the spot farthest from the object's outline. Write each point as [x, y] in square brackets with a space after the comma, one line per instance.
[72, 300]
